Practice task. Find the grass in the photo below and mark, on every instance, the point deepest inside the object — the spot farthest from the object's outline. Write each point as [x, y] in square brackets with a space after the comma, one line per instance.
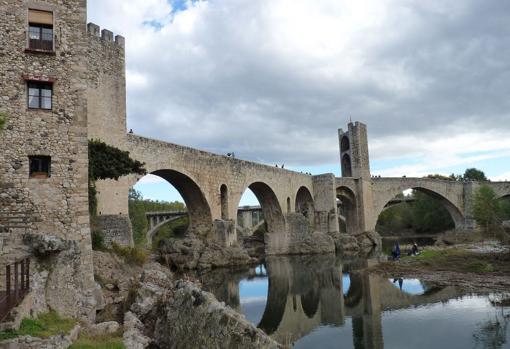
[107, 341]
[44, 326]
[132, 255]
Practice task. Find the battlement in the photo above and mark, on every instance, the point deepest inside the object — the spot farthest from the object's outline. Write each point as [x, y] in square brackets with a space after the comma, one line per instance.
[105, 34]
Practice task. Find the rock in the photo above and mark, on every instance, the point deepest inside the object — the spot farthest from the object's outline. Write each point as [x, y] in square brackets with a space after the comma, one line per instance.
[102, 328]
[506, 226]
[347, 243]
[368, 239]
[46, 244]
[133, 336]
[169, 314]
[192, 253]
[301, 238]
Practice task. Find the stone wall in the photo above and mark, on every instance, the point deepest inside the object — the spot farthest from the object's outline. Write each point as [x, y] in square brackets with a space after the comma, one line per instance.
[115, 228]
[57, 205]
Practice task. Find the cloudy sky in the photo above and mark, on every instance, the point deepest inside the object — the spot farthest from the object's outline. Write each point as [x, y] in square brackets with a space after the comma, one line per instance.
[273, 80]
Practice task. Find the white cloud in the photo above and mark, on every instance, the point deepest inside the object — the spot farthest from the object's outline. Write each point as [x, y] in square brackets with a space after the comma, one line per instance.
[271, 80]
[151, 179]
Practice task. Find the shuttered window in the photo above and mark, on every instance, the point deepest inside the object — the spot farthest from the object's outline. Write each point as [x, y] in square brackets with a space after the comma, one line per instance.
[40, 31]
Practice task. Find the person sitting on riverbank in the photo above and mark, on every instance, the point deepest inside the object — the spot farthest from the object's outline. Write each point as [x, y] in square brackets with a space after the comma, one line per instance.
[395, 252]
[414, 250]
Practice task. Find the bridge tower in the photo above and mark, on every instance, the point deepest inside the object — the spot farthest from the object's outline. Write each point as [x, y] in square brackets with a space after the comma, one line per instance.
[354, 159]
[355, 165]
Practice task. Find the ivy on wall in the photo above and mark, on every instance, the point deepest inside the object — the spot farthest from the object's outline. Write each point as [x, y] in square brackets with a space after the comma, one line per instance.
[108, 162]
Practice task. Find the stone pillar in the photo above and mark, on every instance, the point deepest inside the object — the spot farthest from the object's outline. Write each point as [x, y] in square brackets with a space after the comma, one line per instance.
[247, 219]
[326, 215]
[469, 193]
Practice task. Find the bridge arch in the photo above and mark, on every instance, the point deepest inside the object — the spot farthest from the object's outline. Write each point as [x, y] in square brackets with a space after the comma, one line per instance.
[304, 203]
[348, 209]
[454, 211]
[271, 209]
[199, 212]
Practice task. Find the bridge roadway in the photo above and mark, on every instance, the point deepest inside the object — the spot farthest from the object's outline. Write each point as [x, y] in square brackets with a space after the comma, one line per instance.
[212, 185]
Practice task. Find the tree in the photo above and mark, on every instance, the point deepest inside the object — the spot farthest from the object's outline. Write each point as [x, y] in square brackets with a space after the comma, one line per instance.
[473, 174]
[430, 215]
[486, 207]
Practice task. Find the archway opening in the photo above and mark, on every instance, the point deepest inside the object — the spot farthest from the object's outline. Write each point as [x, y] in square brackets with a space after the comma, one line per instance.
[415, 212]
[259, 212]
[344, 144]
[289, 209]
[304, 203]
[224, 201]
[346, 166]
[172, 205]
[347, 210]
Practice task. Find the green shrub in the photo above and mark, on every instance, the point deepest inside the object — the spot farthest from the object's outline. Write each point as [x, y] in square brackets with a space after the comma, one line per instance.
[132, 255]
[98, 240]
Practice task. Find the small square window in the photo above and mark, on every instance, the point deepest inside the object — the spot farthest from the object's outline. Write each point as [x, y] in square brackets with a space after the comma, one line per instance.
[40, 95]
[40, 166]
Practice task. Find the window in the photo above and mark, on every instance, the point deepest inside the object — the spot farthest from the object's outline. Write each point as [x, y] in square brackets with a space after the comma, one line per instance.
[40, 95]
[40, 31]
[40, 166]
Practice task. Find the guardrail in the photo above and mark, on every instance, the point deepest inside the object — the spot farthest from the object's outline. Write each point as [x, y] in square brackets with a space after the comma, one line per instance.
[16, 287]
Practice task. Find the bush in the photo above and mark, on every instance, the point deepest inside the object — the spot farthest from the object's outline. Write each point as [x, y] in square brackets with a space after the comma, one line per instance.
[98, 241]
[132, 255]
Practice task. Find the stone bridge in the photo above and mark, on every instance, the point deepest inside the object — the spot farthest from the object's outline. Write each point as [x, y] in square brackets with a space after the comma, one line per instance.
[212, 185]
[158, 219]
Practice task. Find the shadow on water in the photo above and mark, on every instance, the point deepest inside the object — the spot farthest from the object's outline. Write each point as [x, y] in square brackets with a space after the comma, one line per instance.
[328, 302]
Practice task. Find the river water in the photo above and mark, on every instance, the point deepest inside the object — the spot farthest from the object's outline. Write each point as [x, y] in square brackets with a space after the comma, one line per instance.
[329, 302]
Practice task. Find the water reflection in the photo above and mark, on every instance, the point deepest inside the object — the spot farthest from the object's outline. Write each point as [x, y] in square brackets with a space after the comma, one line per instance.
[326, 302]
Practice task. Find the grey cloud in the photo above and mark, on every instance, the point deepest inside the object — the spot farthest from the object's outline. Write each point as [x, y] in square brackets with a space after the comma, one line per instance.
[226, 85]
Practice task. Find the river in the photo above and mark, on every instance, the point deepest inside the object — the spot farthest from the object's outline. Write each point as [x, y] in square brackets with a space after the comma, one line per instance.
[329, 302]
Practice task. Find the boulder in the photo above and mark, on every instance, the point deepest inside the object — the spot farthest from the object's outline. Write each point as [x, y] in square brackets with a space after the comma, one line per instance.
[45, 244]
[193, 253]
[103, 328]
[506, 226]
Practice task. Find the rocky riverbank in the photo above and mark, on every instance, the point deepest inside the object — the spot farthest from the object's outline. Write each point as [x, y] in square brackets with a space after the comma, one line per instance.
[470, 267]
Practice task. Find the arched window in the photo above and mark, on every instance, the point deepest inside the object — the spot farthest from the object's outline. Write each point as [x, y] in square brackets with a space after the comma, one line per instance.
[346, 166]
[344, 144]
[224, 201]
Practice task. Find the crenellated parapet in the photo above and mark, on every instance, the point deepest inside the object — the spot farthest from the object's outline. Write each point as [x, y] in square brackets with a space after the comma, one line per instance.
[105, 34]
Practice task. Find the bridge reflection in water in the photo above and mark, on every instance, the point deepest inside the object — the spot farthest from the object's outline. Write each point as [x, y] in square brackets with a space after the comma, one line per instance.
[300, 295]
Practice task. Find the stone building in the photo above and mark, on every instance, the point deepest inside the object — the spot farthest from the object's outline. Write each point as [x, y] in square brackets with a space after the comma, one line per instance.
[55, 78]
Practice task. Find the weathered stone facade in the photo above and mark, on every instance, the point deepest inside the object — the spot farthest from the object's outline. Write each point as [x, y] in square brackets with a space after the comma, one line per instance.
[57, 205]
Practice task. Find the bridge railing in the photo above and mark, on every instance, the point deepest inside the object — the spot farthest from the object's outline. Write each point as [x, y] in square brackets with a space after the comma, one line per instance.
[16, 286]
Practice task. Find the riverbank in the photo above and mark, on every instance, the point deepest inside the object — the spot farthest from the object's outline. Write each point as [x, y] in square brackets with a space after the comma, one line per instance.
[480, 267]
